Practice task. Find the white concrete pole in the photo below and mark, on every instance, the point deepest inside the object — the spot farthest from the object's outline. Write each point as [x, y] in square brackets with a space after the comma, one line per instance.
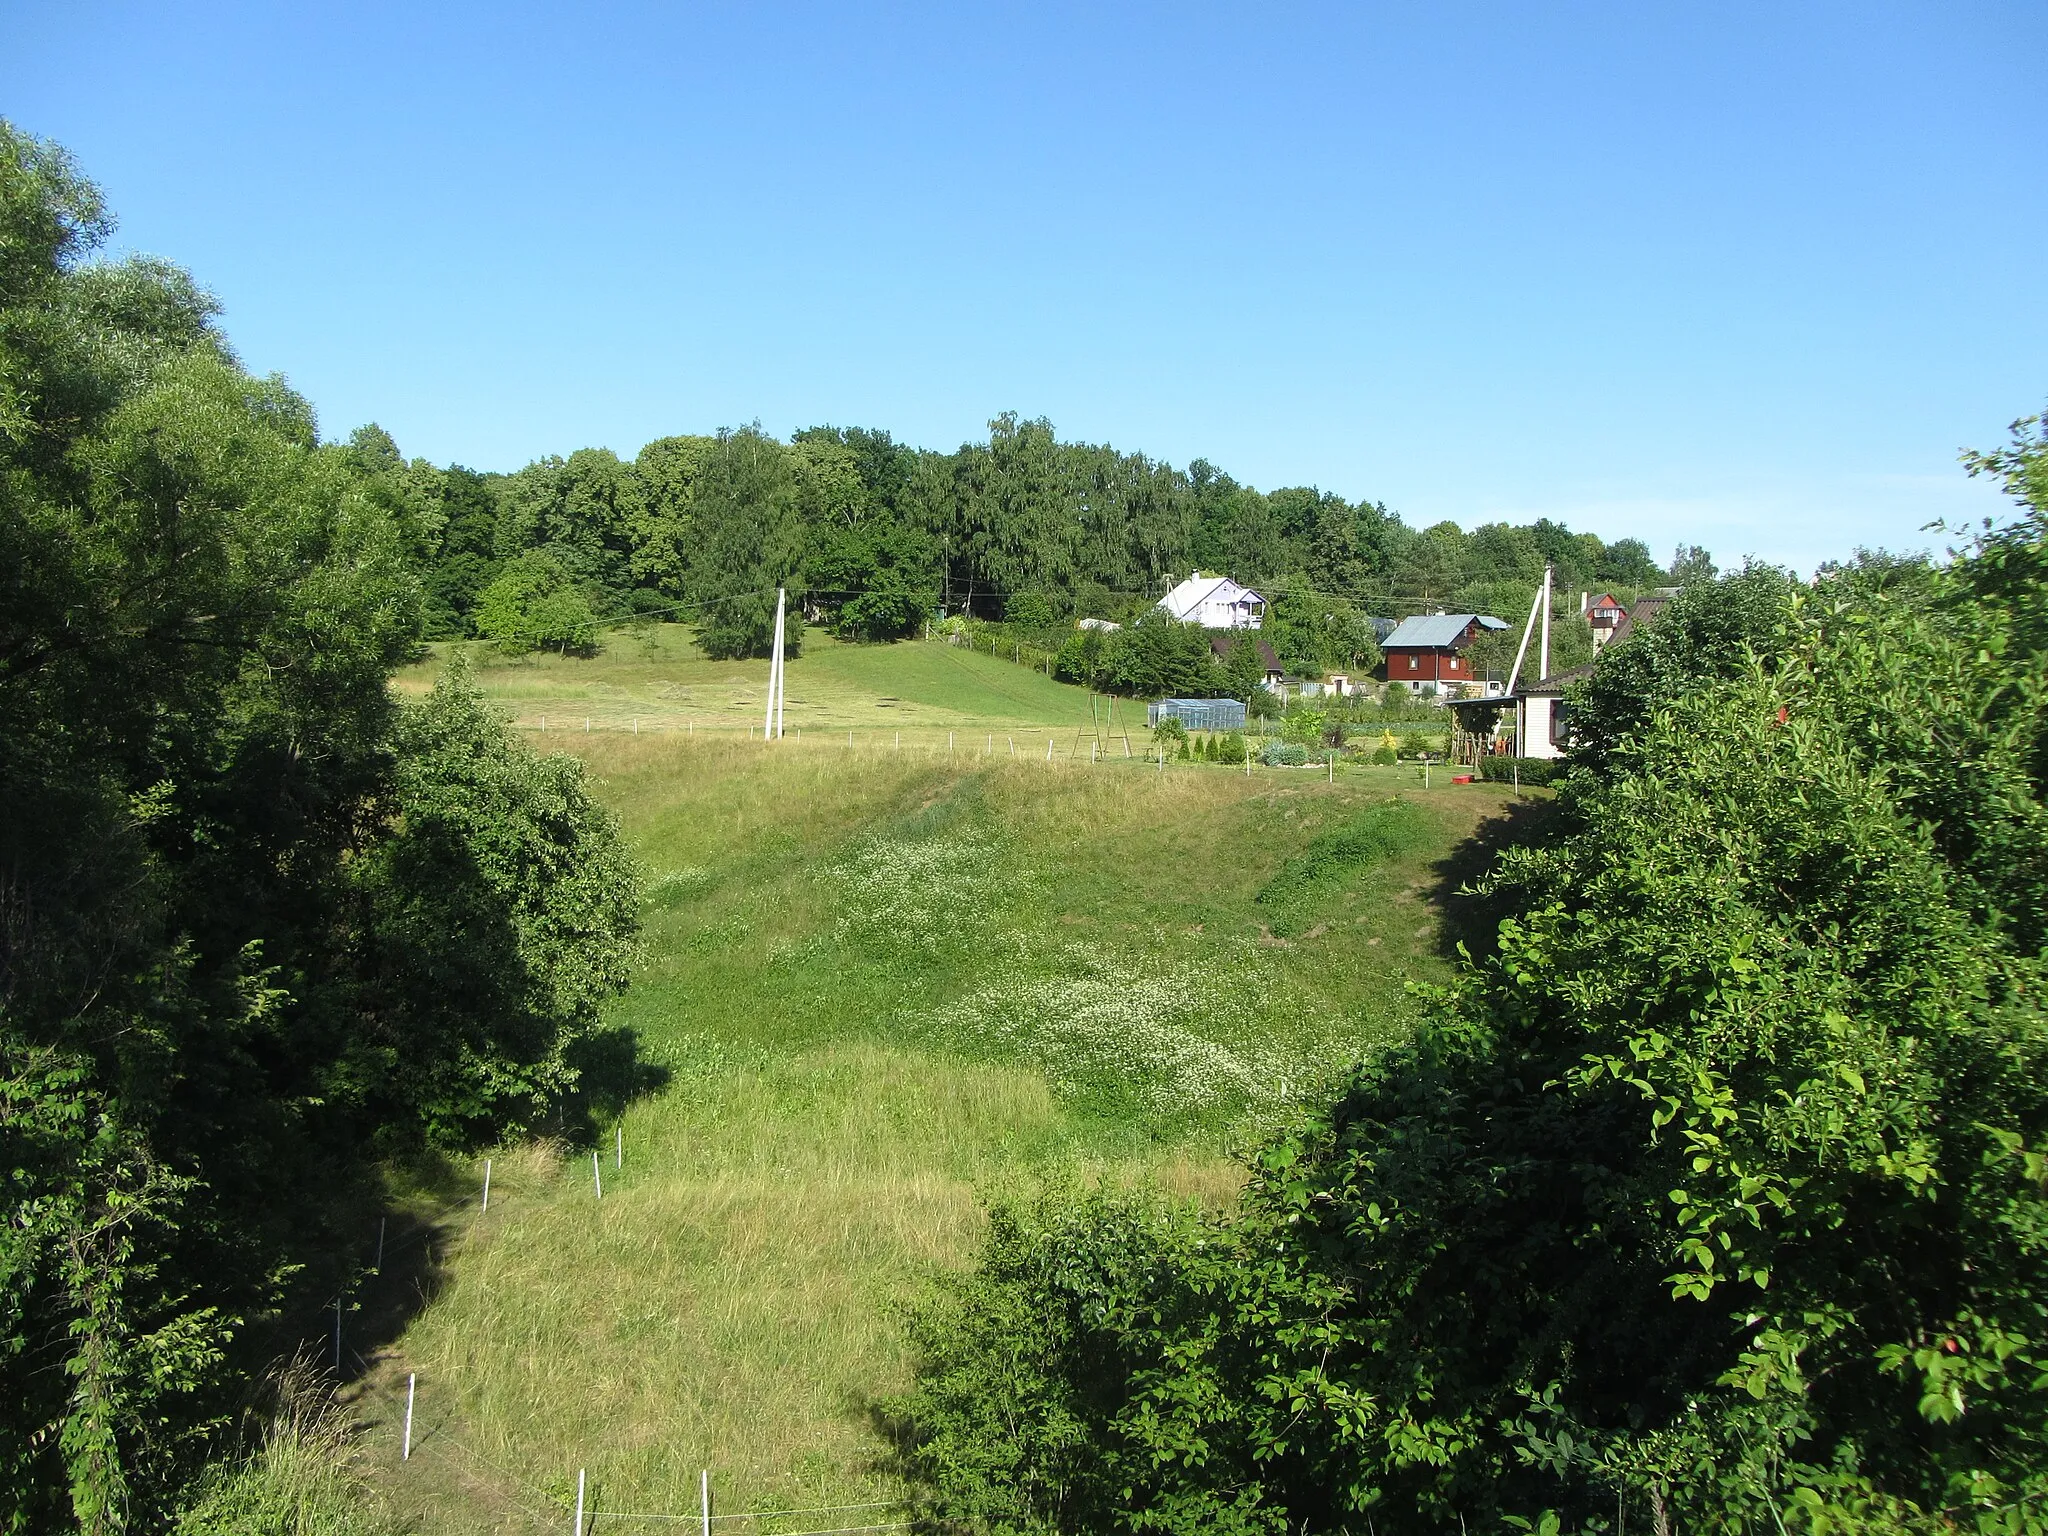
[1545, 668]
[781, 665]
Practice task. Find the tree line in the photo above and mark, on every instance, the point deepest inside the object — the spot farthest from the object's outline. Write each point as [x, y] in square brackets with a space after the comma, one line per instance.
[873, 537]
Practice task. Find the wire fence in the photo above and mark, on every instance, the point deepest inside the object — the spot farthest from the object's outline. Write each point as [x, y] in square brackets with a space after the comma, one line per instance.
[548, 1510]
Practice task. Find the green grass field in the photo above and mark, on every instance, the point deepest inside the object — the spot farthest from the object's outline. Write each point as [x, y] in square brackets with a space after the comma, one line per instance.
[655, 677]
[889, 986]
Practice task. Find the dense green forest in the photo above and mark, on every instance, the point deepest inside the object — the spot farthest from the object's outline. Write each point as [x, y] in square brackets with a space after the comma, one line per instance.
[1712, 1194]
[873, 537]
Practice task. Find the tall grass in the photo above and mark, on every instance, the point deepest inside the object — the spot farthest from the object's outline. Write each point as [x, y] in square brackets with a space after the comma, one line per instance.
[889, 988]
[300, 1479]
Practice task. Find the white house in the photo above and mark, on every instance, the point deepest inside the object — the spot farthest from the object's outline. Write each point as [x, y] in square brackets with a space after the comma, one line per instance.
[1215, 602]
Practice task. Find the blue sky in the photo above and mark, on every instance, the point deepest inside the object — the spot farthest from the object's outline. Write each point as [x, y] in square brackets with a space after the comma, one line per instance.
[1741, 275]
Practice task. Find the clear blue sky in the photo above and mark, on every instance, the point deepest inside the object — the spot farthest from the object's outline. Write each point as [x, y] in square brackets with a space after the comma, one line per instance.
[1739, 274]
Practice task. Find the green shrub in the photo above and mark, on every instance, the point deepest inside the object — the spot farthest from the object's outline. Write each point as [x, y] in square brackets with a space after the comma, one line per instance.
[1385, 757]
[1712, 1197]
[1231, 749]
[1282, 754]
[1536, 771]
[533, 605]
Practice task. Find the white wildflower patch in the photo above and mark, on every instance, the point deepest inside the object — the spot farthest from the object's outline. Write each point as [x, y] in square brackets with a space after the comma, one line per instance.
[1169, 1043]
[908, 894]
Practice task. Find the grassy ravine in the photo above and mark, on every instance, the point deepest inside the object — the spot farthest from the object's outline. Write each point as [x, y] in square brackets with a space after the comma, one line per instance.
[889, 987]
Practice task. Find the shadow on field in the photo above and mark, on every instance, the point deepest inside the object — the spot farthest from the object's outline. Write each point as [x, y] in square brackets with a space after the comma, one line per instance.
[386, 1254]
[610, 1074]
[1471, 918]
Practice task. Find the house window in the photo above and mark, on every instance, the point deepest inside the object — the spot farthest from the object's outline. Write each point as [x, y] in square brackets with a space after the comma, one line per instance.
[1414, 663]
[1454, 663]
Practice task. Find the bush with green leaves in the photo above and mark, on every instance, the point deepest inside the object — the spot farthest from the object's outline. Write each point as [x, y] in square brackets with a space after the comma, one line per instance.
[1711, 1195]
[532, 604]
[1535, 771]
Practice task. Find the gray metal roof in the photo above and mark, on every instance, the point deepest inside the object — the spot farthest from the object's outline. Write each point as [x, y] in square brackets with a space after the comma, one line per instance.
[1436, 630]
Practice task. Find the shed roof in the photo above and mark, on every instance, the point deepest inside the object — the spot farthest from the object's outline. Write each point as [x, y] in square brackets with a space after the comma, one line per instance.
[1434, 631]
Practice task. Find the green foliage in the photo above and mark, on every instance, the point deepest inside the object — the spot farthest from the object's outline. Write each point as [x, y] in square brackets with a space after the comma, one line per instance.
[1305, 725]
[1231, 749]
[532, 604]
[1158, 657]
[1704, 639]
[1534, 771]
[1715, 1193]
[1170, 728]
[200, 608]
[501, 914]
[748, 544]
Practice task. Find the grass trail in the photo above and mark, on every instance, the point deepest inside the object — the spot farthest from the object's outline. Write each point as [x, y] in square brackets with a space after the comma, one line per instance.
[888, 987]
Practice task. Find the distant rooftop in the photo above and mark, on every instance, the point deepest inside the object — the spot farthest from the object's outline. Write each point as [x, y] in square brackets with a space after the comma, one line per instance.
[1433, 631]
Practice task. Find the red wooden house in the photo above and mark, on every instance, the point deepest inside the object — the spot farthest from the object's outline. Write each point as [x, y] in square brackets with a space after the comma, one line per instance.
[1430, 648]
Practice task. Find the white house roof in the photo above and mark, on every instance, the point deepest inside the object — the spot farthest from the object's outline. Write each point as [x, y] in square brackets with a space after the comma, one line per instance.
[1199, 592]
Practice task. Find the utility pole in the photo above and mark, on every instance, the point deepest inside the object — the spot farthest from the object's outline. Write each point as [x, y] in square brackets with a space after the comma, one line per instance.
[771, 724]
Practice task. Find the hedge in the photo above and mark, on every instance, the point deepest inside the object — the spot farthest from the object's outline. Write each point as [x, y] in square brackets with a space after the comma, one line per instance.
[1534, 770]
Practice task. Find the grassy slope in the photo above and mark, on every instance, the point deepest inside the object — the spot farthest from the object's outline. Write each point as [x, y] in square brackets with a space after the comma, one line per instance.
[889, 986]
[658, 677]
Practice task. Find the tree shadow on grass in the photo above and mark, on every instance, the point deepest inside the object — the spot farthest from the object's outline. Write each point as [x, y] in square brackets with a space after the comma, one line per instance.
[1471, 919]
[390, 1238]
[610, 1074]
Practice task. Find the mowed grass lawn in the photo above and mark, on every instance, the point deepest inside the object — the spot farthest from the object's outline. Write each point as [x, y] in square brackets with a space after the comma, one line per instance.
[656, 678]
[888, 987]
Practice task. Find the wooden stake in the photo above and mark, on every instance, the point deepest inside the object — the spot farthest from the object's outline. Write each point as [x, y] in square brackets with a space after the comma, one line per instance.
[487, 1185]
[579, 1501]
[618, 1146]
[596, 1178]
[380, 1244]
[705, 1494]
[410, 1381]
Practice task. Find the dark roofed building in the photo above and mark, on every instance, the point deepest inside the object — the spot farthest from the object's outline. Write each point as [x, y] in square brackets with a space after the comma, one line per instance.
[1430, 648]
[1224, 644]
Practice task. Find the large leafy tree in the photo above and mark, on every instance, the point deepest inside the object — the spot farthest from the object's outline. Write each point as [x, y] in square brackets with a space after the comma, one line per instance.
[200, 605]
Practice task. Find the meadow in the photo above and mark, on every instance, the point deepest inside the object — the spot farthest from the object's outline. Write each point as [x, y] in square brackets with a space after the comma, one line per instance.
[886, 986]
